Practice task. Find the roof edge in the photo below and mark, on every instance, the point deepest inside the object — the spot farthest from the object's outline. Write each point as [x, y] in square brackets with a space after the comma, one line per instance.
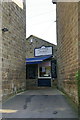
[40, 39]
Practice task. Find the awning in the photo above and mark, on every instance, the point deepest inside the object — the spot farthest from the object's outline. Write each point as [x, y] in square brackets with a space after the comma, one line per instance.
[37, 60]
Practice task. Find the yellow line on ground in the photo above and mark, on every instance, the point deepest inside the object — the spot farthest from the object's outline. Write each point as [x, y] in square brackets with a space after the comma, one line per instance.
[7, 111]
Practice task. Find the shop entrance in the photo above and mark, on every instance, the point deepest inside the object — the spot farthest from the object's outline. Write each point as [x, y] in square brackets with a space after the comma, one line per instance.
[44, 74]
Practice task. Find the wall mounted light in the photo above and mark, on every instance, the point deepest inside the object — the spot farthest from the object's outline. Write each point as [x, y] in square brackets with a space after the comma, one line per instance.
[31, 40]
[5, 30]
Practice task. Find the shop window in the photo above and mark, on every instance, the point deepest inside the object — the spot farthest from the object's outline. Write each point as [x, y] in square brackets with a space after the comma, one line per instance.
[45, 69]
[31, 71]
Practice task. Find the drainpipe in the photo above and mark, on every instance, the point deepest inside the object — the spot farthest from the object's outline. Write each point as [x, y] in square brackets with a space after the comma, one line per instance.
[54, 2]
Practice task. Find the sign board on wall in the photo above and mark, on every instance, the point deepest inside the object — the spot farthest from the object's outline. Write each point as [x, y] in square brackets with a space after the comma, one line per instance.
[44, 50]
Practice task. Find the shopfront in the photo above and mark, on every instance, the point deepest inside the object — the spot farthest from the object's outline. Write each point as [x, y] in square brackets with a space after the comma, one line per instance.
[44, 73]
[42, 68]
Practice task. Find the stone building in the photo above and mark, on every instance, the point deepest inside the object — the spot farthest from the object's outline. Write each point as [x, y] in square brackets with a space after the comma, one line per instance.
[40, 55]
[68, 55]
[13, 47]
[0, 53]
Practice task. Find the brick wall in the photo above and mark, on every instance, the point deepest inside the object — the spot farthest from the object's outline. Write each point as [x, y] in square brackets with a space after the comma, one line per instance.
[13, 48]
[67, 33]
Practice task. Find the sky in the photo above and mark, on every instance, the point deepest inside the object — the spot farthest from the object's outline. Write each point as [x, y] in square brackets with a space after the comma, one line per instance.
[40, 19]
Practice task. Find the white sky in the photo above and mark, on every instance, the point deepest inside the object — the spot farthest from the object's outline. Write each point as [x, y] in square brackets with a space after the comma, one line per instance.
[40, 17]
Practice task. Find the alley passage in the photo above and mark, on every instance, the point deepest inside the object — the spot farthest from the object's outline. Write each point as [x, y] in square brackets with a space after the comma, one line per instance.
[46, 103]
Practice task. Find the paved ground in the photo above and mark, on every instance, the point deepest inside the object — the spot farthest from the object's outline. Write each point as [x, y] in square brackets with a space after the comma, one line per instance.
[46, 103]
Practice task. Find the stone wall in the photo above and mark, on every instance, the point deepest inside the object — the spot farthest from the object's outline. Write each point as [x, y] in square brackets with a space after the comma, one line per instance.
[79, 55]
[67, 35]
[0, 55]
[36, 43]
[79, 33]
[13, 48]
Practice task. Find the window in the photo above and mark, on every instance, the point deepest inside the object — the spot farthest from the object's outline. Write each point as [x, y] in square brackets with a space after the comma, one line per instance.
[31, 71]
[45, 69]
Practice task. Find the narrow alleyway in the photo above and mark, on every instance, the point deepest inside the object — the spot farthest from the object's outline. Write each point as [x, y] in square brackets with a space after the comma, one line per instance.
[45, 103]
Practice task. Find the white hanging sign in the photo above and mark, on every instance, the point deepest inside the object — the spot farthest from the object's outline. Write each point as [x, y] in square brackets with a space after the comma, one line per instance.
[44, 50]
